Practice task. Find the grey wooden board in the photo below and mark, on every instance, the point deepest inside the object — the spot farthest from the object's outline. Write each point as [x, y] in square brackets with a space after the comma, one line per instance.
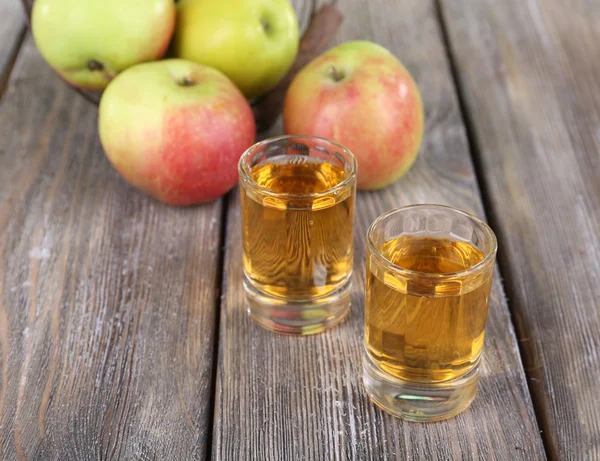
[285, 398]
[11, 30]
[107, 297]
[530, 72]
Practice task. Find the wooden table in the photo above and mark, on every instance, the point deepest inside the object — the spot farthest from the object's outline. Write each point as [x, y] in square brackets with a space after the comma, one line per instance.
[123, 333]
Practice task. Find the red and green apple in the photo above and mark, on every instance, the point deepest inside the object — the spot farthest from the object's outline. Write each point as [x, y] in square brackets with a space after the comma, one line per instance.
[360, 95]
[175, 130]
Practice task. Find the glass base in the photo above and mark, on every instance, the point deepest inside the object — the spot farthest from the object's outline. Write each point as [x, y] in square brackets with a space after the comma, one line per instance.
[418, 402]
[298, 317]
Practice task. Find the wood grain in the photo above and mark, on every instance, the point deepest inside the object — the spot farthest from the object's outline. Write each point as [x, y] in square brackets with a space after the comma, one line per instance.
[282, 398]
[529, 76]
[107, 298]
[12, 27]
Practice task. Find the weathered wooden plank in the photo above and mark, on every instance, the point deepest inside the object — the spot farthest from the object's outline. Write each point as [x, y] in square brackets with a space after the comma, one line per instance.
[302, 398]
[529, 74]
[12, 27]
[107, 297]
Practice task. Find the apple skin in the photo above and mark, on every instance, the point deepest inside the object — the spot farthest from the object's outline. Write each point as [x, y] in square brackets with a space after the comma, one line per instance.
[175, 130]
[253, 42]
[89, 42]
[375, 109]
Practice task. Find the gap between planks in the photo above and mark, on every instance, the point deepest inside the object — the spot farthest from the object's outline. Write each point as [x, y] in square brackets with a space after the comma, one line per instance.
[220, 280]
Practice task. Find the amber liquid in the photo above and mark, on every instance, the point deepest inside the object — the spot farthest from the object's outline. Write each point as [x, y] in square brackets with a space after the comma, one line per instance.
[295, 246]
[421, 329]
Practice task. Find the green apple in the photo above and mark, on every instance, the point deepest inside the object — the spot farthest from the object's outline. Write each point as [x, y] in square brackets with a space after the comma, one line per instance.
[253, 42]
[89, 42]
[175, 129]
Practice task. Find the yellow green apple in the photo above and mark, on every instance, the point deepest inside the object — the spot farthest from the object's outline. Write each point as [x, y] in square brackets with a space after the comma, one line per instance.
[88, 42]
[175, 129]
[360, 95]
[253, 42]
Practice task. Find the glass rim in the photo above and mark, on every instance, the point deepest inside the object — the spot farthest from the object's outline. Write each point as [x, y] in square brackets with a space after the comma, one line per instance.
[245, 174]
[490, 255]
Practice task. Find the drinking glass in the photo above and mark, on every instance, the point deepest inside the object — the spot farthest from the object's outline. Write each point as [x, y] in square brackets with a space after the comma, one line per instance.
[297, 209]
[429, 275]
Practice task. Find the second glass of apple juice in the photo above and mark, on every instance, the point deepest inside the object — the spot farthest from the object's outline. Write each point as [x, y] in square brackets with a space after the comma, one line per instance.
[429, 275]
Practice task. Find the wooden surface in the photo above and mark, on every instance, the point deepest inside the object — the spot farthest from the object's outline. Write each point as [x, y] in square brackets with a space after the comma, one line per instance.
[282, 398]
[529, 73]
[110, 313]
[108, 298]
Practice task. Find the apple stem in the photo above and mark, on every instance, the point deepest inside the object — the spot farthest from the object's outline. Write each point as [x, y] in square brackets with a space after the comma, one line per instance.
[94, 65]
[266, 25]
[97, 66]
[336, 74]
